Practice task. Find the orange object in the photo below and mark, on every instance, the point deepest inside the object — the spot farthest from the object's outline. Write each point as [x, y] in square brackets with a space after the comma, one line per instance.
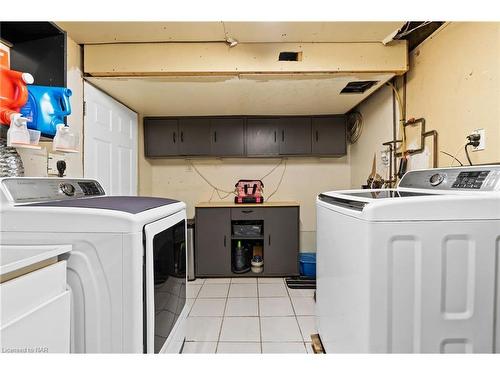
[13, 92]
[4, 57]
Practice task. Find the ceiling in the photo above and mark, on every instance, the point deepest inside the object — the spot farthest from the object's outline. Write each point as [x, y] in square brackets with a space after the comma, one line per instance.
[244, 32]
[244, 95]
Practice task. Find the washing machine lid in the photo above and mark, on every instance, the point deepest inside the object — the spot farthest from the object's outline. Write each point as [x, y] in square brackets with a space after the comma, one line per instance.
[405, 205]
[358, 199]
[129, 204]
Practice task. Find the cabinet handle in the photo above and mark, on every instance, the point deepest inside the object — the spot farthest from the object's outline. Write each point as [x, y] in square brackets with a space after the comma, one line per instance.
[215, 137]
[247, 211]
[275, 136]
[317, 136]
[282, 136]
[269, 240]
[224, 241]
[173, 137]
[182, 136]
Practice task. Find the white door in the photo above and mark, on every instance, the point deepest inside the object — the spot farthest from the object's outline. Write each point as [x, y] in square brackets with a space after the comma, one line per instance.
[110, 143]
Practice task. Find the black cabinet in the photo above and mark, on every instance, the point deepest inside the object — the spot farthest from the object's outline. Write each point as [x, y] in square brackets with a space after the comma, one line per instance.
[213, 242]
[161, 137]
[281, 237]
[216, 243]
[262, 136]
[227, 136]
[38, 48]
[329, 136]
[194, 136]
[241, 136]
[295, 136]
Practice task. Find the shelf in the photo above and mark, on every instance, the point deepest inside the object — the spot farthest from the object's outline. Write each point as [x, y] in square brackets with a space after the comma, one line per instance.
[38, 48]
[247, 237]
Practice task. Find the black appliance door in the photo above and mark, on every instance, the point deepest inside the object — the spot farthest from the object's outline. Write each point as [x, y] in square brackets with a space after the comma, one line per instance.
[165, 280]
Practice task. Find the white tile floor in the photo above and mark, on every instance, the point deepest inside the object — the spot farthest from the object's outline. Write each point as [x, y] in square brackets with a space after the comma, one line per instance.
[248, 315]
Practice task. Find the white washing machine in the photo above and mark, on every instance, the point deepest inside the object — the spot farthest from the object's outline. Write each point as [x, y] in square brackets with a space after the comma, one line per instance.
[127, 267]
[412, 269]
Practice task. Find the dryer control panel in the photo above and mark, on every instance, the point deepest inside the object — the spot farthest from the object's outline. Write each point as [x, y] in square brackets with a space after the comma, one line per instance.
[474, 178]
[27, 190]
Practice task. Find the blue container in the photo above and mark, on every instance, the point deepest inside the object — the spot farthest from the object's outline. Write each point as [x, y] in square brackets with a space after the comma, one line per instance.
[46, 108]
[307, 263]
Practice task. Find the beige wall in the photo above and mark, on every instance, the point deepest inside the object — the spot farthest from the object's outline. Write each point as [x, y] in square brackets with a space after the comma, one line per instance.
[454, 83]
[35, 161]
[377, 128]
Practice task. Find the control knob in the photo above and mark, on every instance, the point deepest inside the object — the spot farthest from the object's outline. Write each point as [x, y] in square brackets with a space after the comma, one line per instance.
[67, 189]
[436, 179]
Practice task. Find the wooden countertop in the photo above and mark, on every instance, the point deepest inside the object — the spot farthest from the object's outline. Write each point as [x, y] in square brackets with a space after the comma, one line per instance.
[232, 204]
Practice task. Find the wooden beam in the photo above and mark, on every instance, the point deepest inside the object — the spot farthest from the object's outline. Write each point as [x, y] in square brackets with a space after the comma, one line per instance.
[167, 59]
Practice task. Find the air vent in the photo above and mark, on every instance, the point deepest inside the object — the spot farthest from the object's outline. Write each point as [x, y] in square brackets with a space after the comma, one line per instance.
[357, 87]
[290, 56]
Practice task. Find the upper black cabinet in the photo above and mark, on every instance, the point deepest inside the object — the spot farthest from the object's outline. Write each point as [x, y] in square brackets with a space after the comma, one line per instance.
[242, 136]
[295, 136]
[227, 136]
[194, 136]
[161, 137]
[262, 136]
[329, 136]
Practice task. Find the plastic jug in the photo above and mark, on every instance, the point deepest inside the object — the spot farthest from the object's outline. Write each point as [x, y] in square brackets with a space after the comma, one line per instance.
[46, 108]
[13, 92]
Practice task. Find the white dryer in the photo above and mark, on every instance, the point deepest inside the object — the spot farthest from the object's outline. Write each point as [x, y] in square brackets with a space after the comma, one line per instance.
[412, 269]
[127, 267]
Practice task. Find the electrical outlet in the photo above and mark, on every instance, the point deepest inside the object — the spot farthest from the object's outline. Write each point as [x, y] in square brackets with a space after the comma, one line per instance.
[52, 163]
[482, 140]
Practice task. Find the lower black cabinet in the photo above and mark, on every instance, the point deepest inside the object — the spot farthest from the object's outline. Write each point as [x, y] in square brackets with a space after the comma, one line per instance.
[213, 242]
[229, 237]
[281, 239]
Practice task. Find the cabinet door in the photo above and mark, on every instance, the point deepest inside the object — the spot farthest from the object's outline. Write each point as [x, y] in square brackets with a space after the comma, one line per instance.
[213, 242]
[227, 136]
[194, 134]
[161, 137]
[329, 136]
[295, 136]
[262, 137]
[281, 241]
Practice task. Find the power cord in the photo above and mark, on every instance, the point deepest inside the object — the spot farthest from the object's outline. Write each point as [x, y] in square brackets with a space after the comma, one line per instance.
[472, 140]
[454, 157]
[272, 170]
[227, 193]
[280, 181]
[216, 189]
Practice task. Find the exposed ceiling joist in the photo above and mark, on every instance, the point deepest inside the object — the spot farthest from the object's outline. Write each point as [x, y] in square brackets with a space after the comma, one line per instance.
[243, 32]
[154, 59]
